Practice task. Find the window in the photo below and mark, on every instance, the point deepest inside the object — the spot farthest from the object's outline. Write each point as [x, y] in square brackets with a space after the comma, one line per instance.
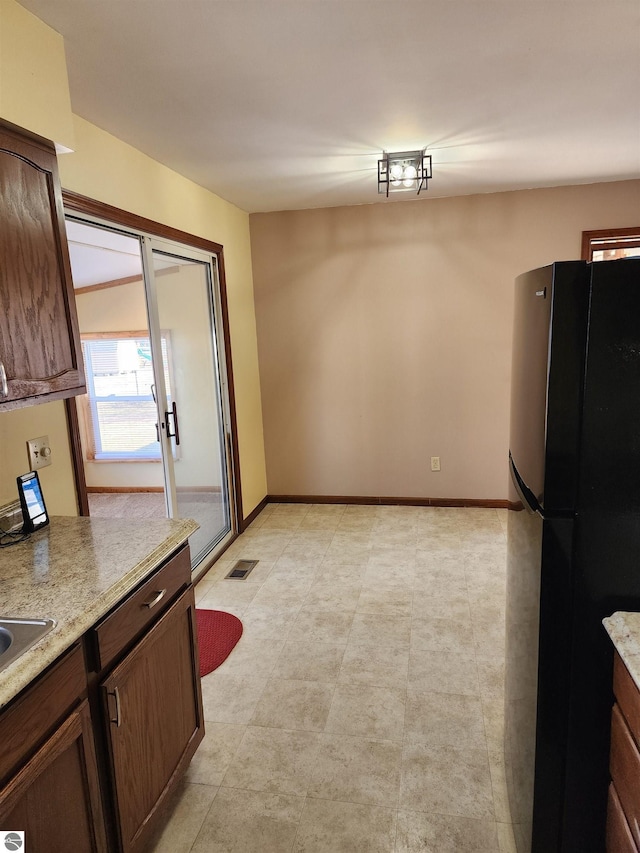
[120, 410]
[611, 244]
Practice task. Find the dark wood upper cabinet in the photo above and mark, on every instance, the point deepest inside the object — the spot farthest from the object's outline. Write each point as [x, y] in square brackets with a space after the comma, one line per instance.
[40, 353]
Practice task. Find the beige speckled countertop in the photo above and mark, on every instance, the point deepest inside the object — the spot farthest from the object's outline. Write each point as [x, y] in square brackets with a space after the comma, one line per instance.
[75, 571]
[624, 630]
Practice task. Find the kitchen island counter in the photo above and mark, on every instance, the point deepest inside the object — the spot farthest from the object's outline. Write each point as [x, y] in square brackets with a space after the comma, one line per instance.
[75, 571]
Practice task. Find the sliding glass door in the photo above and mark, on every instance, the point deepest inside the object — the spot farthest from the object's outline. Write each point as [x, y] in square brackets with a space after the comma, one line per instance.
[155, 424]
[181, 297]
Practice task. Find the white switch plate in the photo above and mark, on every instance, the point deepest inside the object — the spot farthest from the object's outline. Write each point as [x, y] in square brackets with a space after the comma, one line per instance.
[435, 463]
[39, 452]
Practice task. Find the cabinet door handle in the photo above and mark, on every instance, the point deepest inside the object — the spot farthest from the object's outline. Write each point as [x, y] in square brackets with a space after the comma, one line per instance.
[156, 598]
[4, 386]
[116, 696]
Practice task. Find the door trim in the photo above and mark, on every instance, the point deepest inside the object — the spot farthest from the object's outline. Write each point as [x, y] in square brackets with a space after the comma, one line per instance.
[81, 204]
[76, 203]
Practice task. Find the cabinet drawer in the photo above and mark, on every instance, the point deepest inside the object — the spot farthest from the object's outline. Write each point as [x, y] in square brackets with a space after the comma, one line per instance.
[619, 838]
[138, 610]
[627, 696]
[625, 771]
[32, 717]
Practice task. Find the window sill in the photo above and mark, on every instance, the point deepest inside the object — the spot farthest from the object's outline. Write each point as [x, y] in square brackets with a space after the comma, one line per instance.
[120, 459]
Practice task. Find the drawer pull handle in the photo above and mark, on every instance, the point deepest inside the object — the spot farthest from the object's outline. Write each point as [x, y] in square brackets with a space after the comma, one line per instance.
[4, 387]
[116, 696]
[156, 599]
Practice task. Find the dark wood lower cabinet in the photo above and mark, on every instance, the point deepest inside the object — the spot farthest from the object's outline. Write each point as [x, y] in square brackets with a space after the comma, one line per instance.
[623, 809]
[55, 797]
[153, 720]
[619, 838]
[91, 750]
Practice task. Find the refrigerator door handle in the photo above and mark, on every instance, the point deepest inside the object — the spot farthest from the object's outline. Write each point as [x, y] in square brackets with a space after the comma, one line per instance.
[526, 495]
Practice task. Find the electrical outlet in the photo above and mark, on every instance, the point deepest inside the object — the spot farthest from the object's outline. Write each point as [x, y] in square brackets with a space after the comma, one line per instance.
[435, 463]
[39, 452]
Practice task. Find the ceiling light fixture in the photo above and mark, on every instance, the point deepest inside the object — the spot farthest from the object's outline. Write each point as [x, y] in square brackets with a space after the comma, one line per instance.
[403, 172]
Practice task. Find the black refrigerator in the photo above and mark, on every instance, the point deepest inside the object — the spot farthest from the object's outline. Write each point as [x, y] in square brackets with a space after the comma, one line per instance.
[573, 541]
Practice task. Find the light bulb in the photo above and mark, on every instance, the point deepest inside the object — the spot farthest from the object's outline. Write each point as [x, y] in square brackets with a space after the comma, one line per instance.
[410, 175]
[396, 173]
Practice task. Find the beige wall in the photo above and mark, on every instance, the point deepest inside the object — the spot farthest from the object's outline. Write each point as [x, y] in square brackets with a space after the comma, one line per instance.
[34, 90]
[108, 170]
[384, 335]
[57, 481]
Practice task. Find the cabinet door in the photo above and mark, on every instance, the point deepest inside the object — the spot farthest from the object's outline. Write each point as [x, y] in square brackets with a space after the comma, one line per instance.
[55, 798]
[153, 712]
[619, 837]
[39, 339]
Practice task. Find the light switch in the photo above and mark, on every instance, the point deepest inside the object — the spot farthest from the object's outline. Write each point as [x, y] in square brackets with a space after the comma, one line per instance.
[39, 452]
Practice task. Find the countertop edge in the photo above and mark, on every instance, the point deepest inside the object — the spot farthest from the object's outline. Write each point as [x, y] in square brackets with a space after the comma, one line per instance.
[32, 663]
[623, 628]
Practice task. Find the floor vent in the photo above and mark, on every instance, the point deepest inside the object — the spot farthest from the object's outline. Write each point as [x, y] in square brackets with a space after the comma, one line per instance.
[241, 569]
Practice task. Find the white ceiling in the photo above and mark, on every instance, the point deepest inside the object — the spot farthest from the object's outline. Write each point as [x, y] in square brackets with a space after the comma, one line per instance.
[287, 104]
[99, 255]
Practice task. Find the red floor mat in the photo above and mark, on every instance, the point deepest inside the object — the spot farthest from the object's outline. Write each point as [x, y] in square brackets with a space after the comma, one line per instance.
[218, 632]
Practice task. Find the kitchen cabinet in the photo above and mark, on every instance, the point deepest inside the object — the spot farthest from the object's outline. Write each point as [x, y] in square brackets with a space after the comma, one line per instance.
[150, 698]
[50, 787]
[623, 810]
[90, 751]
[40, 352]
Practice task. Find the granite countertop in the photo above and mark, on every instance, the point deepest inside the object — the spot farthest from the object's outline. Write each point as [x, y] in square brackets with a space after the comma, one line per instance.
[624, 630]
[75, 571]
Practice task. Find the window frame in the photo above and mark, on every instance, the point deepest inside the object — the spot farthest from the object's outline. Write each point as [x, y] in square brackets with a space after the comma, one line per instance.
[90, 423]
[609, 238]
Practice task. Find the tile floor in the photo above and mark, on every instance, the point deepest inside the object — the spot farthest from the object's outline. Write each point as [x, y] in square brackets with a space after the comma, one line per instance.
[205, 508]
[361, 711]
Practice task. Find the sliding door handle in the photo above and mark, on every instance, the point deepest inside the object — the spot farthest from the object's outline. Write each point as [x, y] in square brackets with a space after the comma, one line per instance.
[176, 430]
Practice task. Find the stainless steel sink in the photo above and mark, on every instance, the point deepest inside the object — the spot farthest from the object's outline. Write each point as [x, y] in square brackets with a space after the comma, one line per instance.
[18, 635]
[6, 639]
